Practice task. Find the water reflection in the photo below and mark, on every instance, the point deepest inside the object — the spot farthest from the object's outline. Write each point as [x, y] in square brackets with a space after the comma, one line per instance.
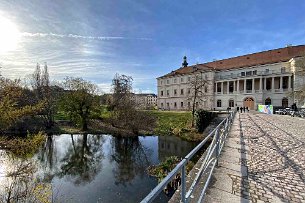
[83, 159]
[91, 168]
[171, 146]
[131, 158]
[19, 183]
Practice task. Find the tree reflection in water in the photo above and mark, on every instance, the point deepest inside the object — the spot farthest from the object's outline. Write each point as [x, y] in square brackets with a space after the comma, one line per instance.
[48, 159]
[131, 158]
[19, 184]
[82, 161]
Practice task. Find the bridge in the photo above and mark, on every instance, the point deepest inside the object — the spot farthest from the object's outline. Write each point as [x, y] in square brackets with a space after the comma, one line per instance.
[253, 157]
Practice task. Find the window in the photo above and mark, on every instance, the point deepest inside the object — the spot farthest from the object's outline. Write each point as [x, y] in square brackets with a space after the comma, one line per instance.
[182, 91]
[268, 101]
[189, 78]
[285, 82]
[181, 79]
[255, 72]
[218, 103]
[181, 104]
[283, 70]
[189, 104]
[248, 73]
[197, 105]
[175, 92]
[242, 73]
[218, 88]
[167, 104]
[248, 84]
[167, 92]
[231, 86]
[161, 93]
[161, 82]
[268, 83]
[162, 105]
[175, 80]
[175, 104]
[284, 102]
[231, 103]
[267, 70]
[188, 91]
[205, 89]
[167, 81]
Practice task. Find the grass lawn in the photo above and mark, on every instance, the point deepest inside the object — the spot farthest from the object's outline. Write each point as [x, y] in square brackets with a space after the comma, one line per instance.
[169, 123]
[177, 124]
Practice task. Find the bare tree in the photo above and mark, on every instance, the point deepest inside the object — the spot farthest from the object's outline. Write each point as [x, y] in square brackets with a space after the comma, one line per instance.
[40, 82]
[198, 87]
[124, 113]
[122, 91]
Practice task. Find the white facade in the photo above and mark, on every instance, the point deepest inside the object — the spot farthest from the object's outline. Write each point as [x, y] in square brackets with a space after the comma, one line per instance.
[237, 87]
[175, 93]
[264, 84]
[145, 101]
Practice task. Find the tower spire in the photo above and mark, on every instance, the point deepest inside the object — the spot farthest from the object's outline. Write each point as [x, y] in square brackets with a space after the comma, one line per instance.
[184, 64]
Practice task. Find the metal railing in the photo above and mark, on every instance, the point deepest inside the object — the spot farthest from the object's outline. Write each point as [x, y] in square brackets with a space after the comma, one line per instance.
[219, 135]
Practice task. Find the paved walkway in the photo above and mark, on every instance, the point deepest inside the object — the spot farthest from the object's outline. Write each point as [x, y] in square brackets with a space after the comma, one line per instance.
[262, 161]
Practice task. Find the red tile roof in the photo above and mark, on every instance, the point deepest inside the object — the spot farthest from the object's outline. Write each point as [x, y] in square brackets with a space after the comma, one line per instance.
[260, 58]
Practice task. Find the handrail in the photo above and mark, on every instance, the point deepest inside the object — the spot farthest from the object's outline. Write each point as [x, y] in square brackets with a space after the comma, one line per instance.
[219, 135]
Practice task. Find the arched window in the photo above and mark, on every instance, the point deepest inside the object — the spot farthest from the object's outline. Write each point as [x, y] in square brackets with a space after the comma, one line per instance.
[268, 101]
[231, 103]
[218, 103]
[284, 102]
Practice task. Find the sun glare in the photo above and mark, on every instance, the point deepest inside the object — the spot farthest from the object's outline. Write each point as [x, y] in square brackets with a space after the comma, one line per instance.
[9, 35]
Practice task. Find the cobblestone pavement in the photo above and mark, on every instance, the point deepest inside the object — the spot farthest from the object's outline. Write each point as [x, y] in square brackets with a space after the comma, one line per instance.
[262, 161]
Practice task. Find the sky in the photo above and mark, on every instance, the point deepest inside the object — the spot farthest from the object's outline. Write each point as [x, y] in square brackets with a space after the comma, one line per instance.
[144, 39]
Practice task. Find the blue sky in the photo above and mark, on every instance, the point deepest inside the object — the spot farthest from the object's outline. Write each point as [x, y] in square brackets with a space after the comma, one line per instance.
[144, 39]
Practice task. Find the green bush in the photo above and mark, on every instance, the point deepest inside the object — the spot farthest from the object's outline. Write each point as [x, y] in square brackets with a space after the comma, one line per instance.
[203, 119]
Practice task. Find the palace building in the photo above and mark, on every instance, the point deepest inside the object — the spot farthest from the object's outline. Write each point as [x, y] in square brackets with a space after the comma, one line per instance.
[268, 77]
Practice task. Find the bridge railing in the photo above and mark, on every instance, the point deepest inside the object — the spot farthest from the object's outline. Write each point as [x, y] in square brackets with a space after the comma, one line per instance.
[219, 135]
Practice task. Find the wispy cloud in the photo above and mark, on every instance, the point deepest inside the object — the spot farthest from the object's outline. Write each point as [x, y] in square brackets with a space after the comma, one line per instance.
[102, 38]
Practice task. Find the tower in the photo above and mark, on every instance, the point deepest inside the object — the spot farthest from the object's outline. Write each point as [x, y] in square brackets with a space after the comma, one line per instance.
[184, 64]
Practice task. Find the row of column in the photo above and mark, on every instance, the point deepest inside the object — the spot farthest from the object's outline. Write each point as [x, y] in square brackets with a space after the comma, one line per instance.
[253, 84]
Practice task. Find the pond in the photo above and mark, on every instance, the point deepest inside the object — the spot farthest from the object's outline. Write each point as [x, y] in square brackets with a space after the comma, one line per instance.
[88, 168]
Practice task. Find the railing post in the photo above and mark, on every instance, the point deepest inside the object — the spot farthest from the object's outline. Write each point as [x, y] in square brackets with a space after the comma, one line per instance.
[217, 144]
[183, 186]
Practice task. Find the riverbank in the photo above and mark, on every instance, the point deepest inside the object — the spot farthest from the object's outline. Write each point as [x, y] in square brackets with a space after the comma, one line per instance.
[176, 123]
[168, 123]
[23, 147]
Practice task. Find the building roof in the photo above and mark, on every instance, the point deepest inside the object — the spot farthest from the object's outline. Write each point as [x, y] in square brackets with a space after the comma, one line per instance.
[145, 94]
[260, 58]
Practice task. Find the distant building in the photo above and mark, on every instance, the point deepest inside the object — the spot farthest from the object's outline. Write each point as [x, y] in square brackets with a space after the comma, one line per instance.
[145, 101]
[142, 101]
[259, 78]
